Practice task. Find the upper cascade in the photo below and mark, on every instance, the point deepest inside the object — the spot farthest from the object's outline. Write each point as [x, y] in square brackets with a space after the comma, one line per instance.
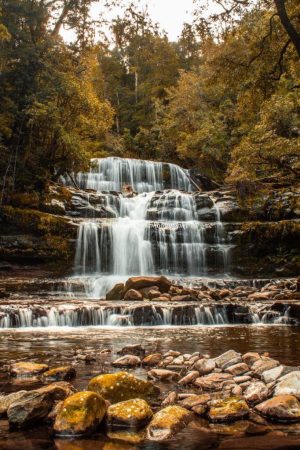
[112, 174]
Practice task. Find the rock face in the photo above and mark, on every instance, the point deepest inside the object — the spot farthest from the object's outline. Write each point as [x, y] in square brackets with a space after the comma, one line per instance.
[281, 408]
[63, 373]
[138, 283]
[228, 409]
[27, 369]
[131, 413]
[80, 414]
[34, 406]
[167, 422]
[289, 384]
[121, 386]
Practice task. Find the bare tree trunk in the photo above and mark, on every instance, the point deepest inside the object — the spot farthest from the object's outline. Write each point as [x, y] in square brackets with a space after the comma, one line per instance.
[136, 86]
[287, 24]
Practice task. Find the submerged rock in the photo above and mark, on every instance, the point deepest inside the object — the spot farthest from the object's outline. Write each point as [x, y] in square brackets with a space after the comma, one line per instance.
[228, 409]
[27, 369]
[131, 413]
[80, 414]
[135, 349]
[284, 408]
[167, 422]
[63, 373]
[121, 386]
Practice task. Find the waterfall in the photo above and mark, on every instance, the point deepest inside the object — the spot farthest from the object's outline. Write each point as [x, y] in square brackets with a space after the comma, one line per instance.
[87, 258]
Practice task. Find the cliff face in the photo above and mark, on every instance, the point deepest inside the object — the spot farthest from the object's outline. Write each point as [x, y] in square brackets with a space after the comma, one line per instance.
[262, 232]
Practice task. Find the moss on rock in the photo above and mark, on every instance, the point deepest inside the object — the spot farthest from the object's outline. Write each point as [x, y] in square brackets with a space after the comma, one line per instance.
[131, 413]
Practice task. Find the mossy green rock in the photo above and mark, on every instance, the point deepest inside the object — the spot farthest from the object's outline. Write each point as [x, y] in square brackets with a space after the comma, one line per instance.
[167, 422]
[80, 414]
[228, 409]
[131, 413]
[121, 386]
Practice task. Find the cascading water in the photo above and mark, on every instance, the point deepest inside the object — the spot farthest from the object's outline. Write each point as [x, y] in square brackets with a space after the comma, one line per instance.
[155, 230]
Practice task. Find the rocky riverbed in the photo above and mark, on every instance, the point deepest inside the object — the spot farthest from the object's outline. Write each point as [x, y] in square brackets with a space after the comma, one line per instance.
[140, 395]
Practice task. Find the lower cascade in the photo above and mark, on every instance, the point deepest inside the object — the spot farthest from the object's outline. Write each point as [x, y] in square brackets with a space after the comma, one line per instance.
[148, 229]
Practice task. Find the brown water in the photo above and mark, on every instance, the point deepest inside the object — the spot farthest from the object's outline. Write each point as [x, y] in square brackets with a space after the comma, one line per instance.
[57, 347]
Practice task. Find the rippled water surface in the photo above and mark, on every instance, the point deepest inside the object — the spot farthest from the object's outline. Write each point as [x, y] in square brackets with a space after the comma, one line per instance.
[57, 347]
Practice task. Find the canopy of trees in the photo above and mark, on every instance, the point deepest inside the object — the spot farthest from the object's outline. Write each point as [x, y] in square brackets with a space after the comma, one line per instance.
[224, 98]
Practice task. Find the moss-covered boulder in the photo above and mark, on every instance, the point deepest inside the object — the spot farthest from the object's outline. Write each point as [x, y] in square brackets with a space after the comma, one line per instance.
[131, 413]
[228, 409]
[62, 373]
[167, 422]
[27, 369]
[121, 386]
[80, 414]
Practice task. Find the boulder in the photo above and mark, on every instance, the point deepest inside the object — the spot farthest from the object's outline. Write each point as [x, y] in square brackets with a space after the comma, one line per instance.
[205, 366]
[80, 414]
[138, 283]
[197, 403]
[116, 293]
[27, 369]
[228, 409]
[152, 360]
[214, 381]
[63, 373]
[134, 295]
[237, 369]
[228, 359]
[150, 291]
[168, 421]
[36, 405]
[269, 376]
[256, 392]
[263, 364]
[7, 400]
[250, 358]
[163, 375]
[121, 386]
[127, 361]
[189, 378]
[135, 349]
[284, 408]
[131, 413]
[289, 384]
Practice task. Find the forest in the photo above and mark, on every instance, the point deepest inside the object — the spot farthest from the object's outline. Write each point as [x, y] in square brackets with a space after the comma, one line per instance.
[223, 99]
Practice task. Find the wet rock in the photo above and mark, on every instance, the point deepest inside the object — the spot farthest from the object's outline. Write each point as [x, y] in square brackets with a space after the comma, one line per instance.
[135, 349]
[269, 376]
[189, 378]
[121, 386]
[256, 392]
[36, 405]
[228, 409]
[263, 364]
[133, 294]
[122, 440]
[167, 422]
[138, 283]
[152, 360]
[289, 384]
[178, 361]
[228, 359]
[80, 414]
[7, 400]
[205, 366]
[131, 413]
[237, 369]
[27, 369]
[163, 375]
[116, 293]
[63, 373]
[213, 382]
[171, 398]
[270, 441]
[127, 361]
[281, 408]
[197, 403]
[149, 291]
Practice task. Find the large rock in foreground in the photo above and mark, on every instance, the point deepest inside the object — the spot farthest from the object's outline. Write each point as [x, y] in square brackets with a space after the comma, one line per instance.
[131, 413]
[284, 408]
[34, 406]
[167, 422]
[138, 283]
[80, 414]
[121, 386]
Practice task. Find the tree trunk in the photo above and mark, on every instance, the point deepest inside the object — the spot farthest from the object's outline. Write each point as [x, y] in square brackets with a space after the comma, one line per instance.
[287, 24]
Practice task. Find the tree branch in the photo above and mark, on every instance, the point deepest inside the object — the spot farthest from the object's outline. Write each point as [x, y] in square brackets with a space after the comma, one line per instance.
[287, 24]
